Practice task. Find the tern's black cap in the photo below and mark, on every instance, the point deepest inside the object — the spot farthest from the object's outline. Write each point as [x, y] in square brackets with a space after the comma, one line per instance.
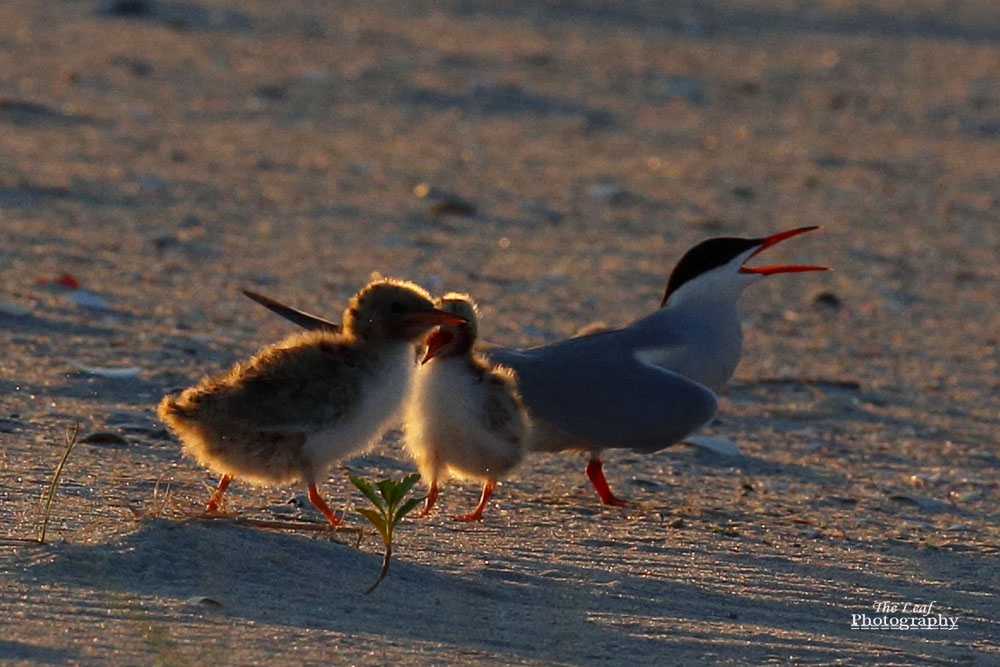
[705, 256]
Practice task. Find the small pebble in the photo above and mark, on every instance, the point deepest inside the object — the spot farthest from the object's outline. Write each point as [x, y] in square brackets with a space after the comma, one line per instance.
[104, 438]
[827, 300]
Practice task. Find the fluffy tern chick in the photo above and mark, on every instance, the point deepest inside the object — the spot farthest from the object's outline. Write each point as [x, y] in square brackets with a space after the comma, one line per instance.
[296, 407]
[465, 415]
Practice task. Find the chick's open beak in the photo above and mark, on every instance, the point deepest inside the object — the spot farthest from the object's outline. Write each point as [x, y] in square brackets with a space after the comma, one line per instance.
[436, 342]
[775, 239]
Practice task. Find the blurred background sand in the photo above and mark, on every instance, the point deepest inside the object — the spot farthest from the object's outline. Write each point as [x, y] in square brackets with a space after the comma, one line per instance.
[167, 154]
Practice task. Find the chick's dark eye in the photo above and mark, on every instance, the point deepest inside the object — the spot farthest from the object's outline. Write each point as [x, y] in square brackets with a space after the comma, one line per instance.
[397, 308]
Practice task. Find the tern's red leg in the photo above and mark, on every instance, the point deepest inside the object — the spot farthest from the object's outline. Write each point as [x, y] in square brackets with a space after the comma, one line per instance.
[213, 502]
[432, 496]
[315, 499]
[595, 472]
[477, 514]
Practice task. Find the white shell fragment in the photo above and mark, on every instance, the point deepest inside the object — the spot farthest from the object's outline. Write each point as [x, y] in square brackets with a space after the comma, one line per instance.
[13, 310]
[112, 373]
[85, 299]
[717, 445]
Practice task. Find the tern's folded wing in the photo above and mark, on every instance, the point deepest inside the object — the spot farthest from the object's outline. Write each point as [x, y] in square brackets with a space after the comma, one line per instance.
[606, 397]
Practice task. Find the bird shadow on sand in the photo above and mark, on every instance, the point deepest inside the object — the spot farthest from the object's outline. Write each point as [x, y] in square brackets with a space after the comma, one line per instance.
[95, 194]
[135, 391]
[701, 19]
[14, 651]
[830, 404]
[534, 604]
[35, 324]
[490, 100]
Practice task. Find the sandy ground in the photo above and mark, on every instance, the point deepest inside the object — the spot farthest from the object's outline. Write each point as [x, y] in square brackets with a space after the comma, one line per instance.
[171, 156]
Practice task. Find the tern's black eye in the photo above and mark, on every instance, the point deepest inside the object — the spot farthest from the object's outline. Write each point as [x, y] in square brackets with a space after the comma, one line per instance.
[397, 308]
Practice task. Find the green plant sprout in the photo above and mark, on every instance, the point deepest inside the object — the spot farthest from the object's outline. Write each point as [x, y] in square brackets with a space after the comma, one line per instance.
[388, 513]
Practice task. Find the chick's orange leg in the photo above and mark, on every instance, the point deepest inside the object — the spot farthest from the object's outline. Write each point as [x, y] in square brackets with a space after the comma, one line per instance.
[595, 472]
[477, 514]
[318, 503]
[213, 502]
[432, 496]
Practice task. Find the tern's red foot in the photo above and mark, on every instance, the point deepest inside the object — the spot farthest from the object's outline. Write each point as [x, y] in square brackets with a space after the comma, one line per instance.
[477, 514]
[213, 503]
[432, 496]
[595, 472]
[614, 501]
[315, 499]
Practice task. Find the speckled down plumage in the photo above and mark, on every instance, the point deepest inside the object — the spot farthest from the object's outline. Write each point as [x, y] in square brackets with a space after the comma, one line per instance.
[253, 420]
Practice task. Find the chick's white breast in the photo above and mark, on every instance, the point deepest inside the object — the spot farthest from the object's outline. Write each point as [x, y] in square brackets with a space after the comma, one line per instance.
[448, 425]
[382, 397]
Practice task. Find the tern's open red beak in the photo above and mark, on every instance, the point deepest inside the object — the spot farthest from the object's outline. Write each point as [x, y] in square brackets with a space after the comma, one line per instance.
[435, 342]
[775, 239]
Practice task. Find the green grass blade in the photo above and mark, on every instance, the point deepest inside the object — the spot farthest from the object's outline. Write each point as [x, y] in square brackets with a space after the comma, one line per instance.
[47, 511]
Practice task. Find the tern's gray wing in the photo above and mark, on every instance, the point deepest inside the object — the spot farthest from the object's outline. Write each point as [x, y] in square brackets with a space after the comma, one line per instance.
[595, 389]
[294, 315]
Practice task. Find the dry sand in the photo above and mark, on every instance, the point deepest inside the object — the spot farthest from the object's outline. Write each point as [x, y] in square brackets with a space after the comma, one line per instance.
[169, 158]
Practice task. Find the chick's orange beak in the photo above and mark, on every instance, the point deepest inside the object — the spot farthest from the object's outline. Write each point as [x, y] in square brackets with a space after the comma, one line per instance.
[435, 316]
[775, 239]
